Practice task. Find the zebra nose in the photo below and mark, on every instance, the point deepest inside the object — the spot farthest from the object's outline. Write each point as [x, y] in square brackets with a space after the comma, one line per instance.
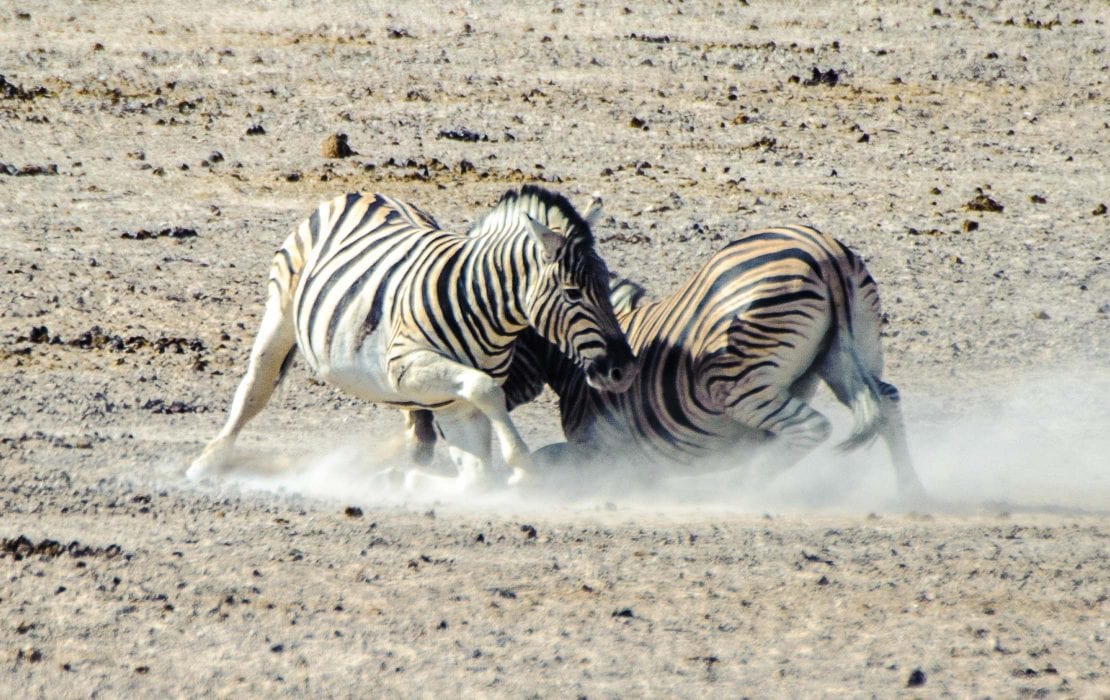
[615, 371]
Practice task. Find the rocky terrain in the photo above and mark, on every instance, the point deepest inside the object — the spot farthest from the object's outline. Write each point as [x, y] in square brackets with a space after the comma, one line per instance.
[153, 157]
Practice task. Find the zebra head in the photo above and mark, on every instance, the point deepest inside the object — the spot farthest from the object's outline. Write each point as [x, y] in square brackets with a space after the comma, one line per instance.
[569, 302]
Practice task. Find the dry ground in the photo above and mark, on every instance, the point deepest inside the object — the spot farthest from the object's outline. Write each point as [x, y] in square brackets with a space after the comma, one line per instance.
[151, 159]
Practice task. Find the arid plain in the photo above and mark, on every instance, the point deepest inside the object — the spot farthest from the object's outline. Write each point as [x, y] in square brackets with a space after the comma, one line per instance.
[153, 156]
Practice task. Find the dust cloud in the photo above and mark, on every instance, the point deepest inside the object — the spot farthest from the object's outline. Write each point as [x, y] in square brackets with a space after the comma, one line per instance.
[1041, 444]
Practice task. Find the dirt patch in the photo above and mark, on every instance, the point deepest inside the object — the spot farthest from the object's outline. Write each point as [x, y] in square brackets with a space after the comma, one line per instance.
[154, 160]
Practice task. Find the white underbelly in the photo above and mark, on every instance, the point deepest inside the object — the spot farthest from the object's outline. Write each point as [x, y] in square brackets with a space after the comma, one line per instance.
[358, 369]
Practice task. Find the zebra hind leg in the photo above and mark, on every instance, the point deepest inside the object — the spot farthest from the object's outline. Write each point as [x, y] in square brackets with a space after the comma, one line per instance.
[269, 358]
[796, 429]
[893, 431]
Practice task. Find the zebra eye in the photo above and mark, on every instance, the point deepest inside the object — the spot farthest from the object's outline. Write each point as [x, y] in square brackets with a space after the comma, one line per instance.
[573, 294]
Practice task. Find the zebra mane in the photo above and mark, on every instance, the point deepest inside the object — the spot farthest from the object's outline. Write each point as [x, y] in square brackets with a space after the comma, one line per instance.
[549, 208]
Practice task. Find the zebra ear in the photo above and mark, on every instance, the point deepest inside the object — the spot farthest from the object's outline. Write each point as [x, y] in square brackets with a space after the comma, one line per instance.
[593, 210]
[624, 294]
[548, 239]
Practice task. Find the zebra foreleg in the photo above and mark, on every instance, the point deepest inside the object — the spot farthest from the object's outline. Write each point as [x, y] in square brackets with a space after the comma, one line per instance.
[467, 433]
[420, 436]
[430, 377]
[272, 347]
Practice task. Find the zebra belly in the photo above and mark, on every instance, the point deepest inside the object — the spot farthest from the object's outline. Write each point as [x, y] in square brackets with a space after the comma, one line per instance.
[362, 370]
[626, 429]
[356, 369]
[715, 453]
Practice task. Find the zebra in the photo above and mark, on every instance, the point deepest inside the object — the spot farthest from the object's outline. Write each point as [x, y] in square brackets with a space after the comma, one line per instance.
[389, 307]
[728, 362]
[528, 373]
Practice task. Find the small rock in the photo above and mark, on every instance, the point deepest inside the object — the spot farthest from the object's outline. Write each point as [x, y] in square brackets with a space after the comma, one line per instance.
[969, 226]
[31, 654]
[255, 130]
[819, 77]
[336, 146]
[178, 232]
[353, 512]
[624, 612]
[462, 135]
[916, 679]
[18, 92]
[1100, 210]
[39, 334]
[529, 531]
[981, 202]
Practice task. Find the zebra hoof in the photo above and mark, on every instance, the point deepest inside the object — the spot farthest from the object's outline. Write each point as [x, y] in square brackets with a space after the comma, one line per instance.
[552, 458]
[212, 461]
[198, 469]
[388, 480]
[915, 497]
[521, 478]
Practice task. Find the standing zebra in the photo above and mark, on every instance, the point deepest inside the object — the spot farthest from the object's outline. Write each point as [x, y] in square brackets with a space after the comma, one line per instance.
[387, 306]
[730, 360]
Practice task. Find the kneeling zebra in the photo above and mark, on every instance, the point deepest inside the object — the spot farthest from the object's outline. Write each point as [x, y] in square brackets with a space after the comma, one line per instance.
[389, 307]
[729, 361]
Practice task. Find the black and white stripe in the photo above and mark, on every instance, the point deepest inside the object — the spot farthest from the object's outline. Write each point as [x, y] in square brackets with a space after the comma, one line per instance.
[730, 359]
[387, 306]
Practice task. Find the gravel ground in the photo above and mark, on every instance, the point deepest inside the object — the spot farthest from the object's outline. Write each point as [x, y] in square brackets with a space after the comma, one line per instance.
[152, 158]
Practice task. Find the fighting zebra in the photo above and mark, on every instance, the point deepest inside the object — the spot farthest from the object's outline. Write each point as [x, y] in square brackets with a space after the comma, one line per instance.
[730, 360]
[389, 307]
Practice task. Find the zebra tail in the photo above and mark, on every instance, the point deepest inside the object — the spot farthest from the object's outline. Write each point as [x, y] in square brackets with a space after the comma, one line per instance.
[855, 387]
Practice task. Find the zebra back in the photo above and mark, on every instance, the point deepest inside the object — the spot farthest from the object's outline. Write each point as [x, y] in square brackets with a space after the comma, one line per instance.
[296, 250]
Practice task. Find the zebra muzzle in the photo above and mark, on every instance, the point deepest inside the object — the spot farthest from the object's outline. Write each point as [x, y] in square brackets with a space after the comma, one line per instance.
[614, 371]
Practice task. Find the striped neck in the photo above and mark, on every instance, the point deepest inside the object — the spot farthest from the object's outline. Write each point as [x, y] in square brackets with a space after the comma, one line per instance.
[501, 269]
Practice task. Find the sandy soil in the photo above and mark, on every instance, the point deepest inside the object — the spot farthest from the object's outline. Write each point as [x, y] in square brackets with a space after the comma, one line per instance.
[152, 159]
